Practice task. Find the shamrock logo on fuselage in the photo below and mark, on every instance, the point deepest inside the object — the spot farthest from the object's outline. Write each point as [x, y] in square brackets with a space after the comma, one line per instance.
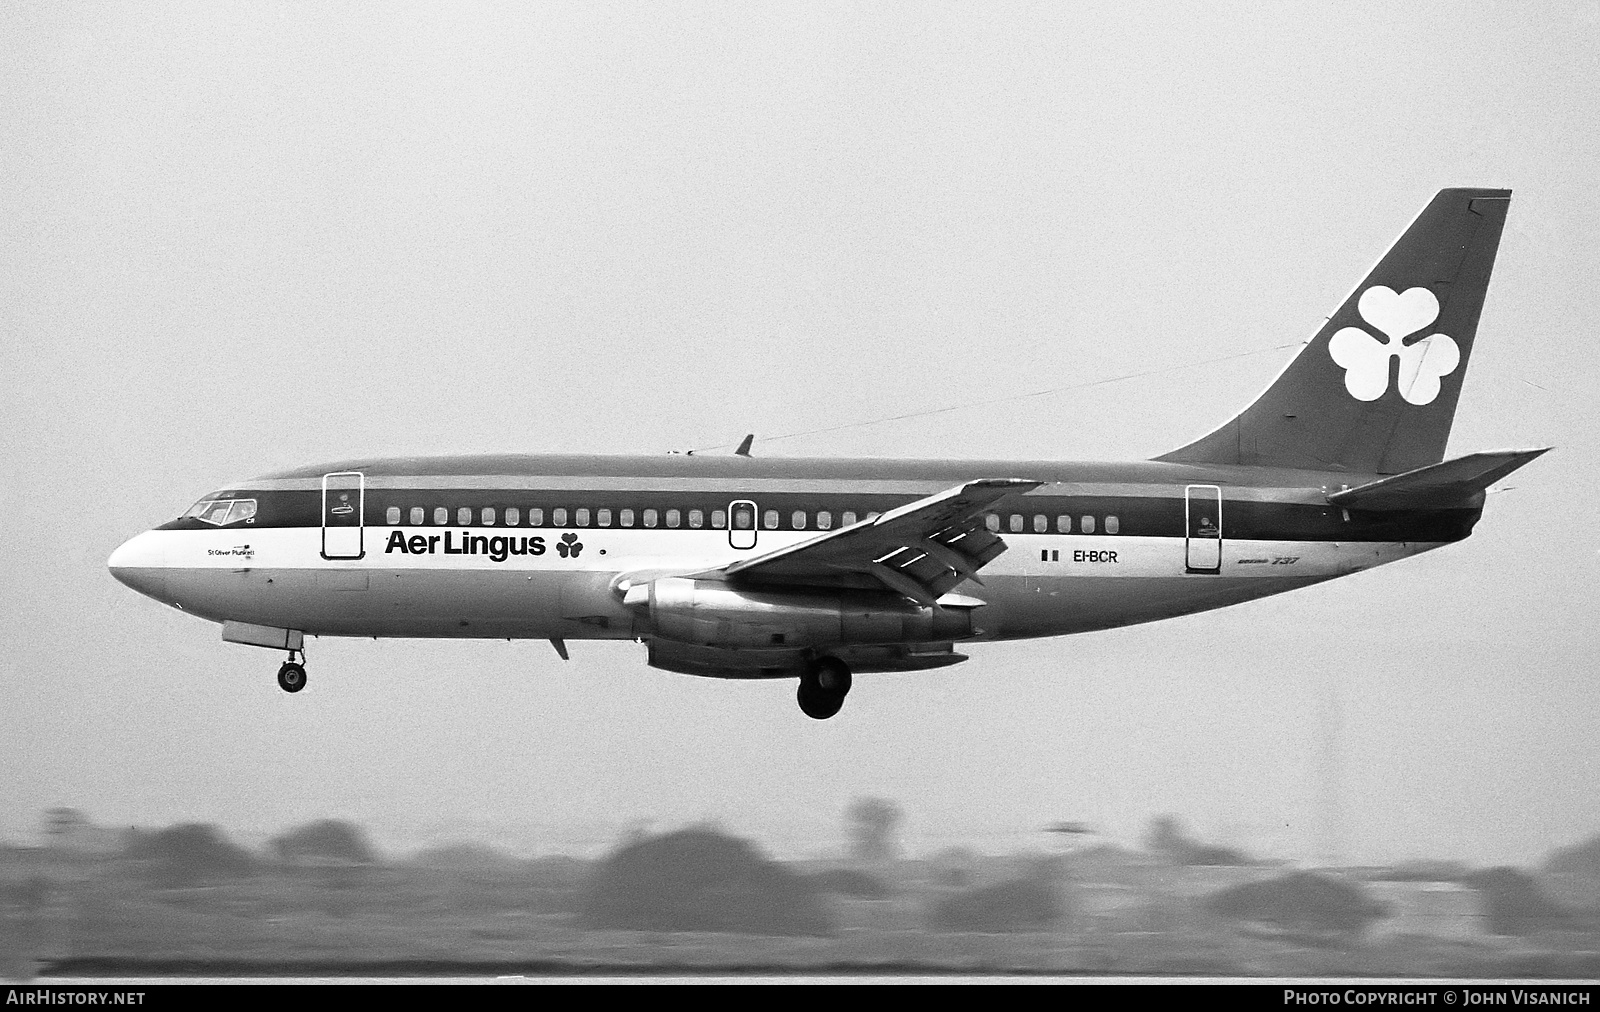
[569, 546]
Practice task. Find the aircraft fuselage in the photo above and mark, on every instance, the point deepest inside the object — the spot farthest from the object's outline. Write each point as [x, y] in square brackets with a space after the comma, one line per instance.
[535, 546]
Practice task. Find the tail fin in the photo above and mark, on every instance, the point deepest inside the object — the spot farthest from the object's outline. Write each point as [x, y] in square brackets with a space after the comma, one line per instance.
[1375, 391]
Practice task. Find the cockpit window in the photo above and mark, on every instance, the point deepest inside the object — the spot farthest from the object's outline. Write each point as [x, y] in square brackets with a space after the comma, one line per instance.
[221, 512]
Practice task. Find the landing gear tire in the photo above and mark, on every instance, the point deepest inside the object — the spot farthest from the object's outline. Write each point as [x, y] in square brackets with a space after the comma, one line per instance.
[832, 676]
[816, 704]
[823, 688]
[291, 677]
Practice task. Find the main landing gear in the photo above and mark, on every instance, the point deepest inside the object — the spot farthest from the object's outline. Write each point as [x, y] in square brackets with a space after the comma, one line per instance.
[292, 676]
[823, 688]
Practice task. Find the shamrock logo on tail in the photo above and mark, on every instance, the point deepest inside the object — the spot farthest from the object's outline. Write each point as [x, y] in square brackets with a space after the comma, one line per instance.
[1397, 315]
[569, 546]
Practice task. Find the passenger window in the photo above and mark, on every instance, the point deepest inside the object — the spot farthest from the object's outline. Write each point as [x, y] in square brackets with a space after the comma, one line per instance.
[1016, 523]
[464, 516]
[602, 518]
[769, 520]
[487, 516]
[558, 517]
[848, 518]
[744, 519]
[1041, 523]
[674, 518]
[824, 520]
[418, 516]
[583, 516]
[513, 516]
[650, 518]
[719, 519]
[536, 517]
[392, 514]
[441, 516]
[1064, 524]
[1086, 525]
[1113, 525]
[991, 521]
[874, 515]
[798, 520]
[626, 518]
[697, 519]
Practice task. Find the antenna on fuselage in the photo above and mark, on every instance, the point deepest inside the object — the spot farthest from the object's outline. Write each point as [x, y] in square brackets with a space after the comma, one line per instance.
[742, 451]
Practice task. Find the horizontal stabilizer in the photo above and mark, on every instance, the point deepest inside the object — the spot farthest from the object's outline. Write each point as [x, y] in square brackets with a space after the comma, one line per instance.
[1453, 483]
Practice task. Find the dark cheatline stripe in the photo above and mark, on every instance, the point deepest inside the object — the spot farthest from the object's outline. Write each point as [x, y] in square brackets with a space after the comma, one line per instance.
[1158, 514]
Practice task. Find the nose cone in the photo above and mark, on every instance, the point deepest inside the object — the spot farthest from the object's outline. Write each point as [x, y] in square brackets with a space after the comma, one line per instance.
[140, 563]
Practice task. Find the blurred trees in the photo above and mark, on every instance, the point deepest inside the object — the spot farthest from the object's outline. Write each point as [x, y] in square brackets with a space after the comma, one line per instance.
[874, 823]
[328, 841]
[1573, 875]
[701, 880]
[472, 898]
[189, 854]
[1514, 905]
[1582, 859]
[1301, 902]
[1032, 903]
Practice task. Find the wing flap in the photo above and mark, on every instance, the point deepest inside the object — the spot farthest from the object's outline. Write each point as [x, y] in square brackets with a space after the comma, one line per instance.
[1452, 483]
[920, 550]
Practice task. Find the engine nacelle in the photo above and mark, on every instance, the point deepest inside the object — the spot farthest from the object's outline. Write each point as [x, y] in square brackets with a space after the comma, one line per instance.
[711, 613]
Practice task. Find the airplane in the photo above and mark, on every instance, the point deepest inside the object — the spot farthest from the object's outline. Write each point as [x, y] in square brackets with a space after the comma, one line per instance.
[741, 566]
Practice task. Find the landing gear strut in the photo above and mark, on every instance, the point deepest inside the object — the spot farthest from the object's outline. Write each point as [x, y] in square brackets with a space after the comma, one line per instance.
[292, 676]
[823, 688]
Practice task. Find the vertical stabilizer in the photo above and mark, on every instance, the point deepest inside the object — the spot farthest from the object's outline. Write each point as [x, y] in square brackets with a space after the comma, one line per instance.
[1376, 389]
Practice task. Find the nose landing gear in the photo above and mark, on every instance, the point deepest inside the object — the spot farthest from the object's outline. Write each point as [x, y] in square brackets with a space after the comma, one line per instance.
[823, 688]
[292, 676]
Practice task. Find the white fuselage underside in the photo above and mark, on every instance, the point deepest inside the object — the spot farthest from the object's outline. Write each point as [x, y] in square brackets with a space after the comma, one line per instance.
[1046, 585]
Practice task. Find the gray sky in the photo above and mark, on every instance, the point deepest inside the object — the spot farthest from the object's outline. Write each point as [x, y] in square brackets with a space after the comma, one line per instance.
[235, 238]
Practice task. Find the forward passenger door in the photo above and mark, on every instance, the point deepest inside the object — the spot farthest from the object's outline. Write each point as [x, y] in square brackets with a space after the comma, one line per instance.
[343, 506]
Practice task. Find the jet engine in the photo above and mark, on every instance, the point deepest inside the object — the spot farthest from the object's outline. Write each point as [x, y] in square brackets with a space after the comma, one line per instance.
[713, 613]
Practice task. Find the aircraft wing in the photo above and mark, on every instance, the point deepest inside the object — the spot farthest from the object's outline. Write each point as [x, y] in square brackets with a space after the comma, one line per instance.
[921, 550]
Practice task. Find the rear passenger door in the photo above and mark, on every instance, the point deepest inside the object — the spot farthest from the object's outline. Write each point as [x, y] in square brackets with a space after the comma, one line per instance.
[1202, 518]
